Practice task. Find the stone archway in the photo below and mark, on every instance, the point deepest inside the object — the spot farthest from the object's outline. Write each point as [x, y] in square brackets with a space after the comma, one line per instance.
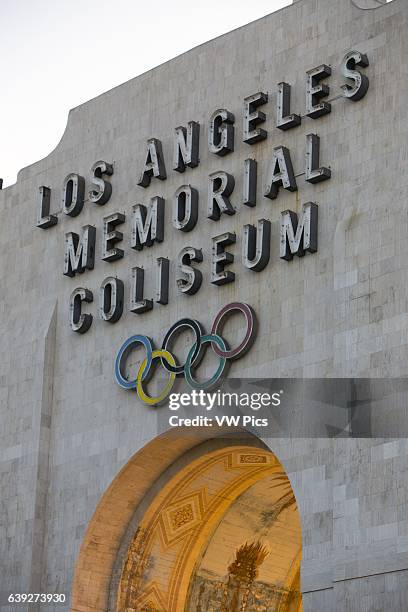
[176, 543]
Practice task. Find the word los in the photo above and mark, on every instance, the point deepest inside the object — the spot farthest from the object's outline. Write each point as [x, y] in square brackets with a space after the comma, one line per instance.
[298, 232]
[194, 357]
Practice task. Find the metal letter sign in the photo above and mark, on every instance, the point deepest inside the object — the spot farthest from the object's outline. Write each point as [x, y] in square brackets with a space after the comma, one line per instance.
[154, 165]
[73, 190]
[185, 208]
[79, 322]
[316, 91]
[284, 120]
[153, 287]
[314, 173]
[190, 280]
[194, 357]
[44, 219]
[256, 245]
[147, 224]
[101, 190]
[253, 117]
[220, 187]
[299, 235]
[221, 258]
[111, 299]
[361, 83]
[280, 173]
[186, 147]
[79, 252]
[138, 304]
[111, 236]
[250, 182]
[221, 132]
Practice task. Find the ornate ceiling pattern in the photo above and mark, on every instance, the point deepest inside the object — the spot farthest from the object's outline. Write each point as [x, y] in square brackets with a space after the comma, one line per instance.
[221, 508]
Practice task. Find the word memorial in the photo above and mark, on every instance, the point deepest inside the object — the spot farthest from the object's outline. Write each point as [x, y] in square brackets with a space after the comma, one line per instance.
[298, 232]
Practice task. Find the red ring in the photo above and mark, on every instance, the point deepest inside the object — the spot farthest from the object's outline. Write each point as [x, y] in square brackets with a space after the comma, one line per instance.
[246, 343]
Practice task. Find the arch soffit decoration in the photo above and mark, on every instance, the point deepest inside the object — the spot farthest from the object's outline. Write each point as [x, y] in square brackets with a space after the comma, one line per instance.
[106, 530]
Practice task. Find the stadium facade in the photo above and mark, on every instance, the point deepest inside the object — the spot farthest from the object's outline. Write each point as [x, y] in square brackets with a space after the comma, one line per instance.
[249, 195]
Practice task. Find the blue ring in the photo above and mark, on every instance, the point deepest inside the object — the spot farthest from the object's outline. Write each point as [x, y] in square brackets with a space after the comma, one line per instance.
[124, 352]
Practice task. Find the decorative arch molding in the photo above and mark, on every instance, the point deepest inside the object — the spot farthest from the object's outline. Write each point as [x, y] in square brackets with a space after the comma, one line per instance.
[150, 499]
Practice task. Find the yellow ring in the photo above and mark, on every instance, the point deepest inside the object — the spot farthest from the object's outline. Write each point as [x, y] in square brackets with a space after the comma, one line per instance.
[155, 401]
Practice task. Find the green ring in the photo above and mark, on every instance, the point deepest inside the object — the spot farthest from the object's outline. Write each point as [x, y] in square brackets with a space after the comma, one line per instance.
[187, 368]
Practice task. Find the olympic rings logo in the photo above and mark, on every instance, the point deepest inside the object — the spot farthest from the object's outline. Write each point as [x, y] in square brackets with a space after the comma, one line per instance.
[194, 356]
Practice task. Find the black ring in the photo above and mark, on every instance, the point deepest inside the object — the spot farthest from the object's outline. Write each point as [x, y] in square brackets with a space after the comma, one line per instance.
[197, 329]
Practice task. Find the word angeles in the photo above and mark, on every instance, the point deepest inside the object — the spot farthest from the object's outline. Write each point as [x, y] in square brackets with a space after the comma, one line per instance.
[194, 357]
[298, 230]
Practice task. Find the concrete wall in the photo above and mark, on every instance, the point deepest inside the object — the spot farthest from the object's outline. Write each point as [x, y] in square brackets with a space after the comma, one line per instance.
[67, 428]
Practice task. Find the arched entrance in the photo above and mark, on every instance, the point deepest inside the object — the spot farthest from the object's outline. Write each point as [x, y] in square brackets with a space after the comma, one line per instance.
[221, 533]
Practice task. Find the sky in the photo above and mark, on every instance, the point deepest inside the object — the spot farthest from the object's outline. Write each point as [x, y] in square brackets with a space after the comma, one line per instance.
[57, 54]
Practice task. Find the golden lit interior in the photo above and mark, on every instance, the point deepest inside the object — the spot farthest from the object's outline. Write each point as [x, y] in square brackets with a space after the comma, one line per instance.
[223, 535]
